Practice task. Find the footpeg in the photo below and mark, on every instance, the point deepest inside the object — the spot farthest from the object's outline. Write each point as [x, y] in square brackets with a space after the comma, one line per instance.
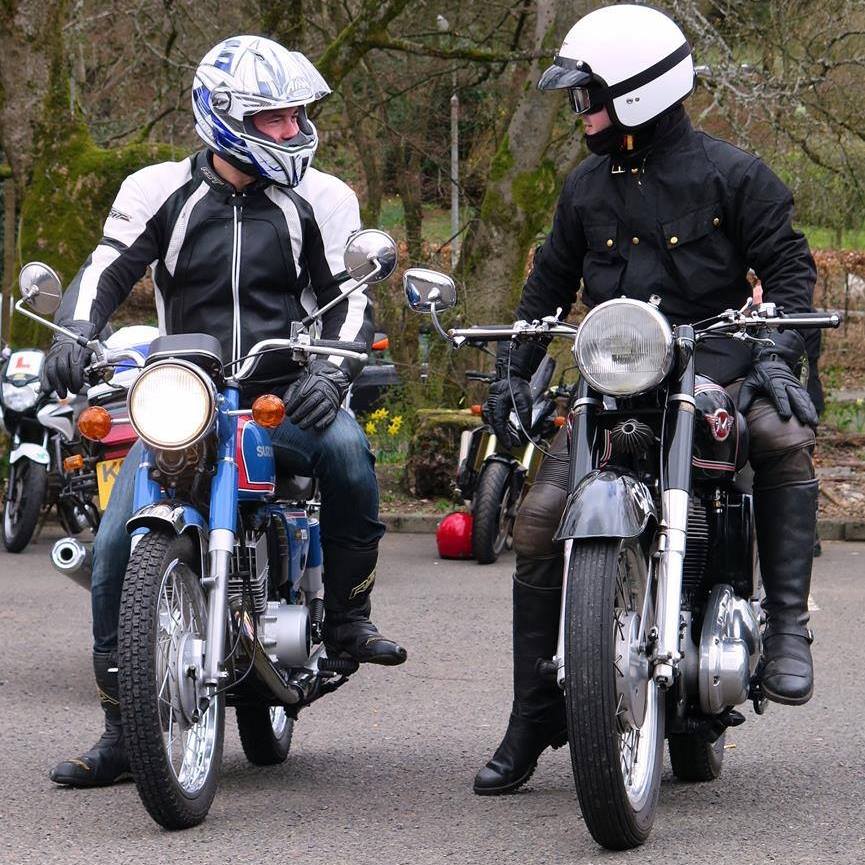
[343, 666]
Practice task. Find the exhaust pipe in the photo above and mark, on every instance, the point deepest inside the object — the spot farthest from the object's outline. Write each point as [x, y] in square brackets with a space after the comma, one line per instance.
[73, 560]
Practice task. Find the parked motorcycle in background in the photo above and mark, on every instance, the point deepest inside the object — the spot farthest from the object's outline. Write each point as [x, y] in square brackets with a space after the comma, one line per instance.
[660, 632]
[42, 434]
[223, 598]
[90, 474]
[491, 478]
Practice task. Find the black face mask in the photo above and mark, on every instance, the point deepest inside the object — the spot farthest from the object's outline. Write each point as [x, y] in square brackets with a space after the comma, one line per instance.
[604, 143]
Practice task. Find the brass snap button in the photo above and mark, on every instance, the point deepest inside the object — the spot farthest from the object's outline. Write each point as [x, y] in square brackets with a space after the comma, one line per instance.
[674, 240]
[716, 221]
[610, 242]
[635, 240]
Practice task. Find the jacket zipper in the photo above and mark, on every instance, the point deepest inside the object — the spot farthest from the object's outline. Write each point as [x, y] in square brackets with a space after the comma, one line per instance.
[235, 279]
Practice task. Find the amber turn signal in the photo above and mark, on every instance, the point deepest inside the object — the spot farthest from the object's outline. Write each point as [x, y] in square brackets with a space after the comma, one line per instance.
[94, 423]
[559, 421]
[475, 409]
[268, 411]
[73, 463]
[382, 344]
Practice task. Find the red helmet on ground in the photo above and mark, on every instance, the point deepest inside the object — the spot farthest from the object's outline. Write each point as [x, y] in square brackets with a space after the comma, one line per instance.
[454, 536]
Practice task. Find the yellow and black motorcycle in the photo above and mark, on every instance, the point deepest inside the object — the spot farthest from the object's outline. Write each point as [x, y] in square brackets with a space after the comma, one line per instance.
[492, 478]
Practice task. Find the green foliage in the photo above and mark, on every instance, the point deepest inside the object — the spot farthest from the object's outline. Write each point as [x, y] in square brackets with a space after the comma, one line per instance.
[846, 417]
[73, 186]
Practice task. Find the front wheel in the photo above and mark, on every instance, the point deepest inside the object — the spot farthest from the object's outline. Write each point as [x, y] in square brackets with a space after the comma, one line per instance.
[614, 710]
[492, 520]
[27, 483]
[175, 748]
[265, 734]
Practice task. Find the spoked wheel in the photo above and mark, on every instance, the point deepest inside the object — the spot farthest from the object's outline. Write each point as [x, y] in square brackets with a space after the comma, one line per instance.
[27, 483]
[175, 747]
[265, 733]
[492, 514]
[614, 709]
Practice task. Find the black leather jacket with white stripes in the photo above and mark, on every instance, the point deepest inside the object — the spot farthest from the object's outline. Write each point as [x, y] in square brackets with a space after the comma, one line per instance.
[238, 265]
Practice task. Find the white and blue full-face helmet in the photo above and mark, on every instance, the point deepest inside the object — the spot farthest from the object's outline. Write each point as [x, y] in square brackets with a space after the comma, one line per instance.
[240, 77]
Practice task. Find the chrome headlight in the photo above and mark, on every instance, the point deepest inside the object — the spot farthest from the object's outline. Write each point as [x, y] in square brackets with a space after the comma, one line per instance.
[624, 347]
[21, 398]
[172, 405]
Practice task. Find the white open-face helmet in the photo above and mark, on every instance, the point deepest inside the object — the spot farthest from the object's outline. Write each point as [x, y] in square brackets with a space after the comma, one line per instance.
[240, 77]
[632, 59]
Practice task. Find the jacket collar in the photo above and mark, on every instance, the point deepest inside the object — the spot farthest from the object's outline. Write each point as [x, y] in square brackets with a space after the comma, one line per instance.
[203, 167]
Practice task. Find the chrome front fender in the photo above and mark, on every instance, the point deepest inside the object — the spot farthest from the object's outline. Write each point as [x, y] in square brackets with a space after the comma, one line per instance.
[607, 504]
[181, 518]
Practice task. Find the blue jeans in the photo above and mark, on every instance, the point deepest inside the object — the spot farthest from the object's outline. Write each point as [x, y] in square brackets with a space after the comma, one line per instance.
[339, 458]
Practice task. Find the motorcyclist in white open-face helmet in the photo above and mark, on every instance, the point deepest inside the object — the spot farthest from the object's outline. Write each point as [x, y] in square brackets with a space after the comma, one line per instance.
[243, 238]
[659, 208]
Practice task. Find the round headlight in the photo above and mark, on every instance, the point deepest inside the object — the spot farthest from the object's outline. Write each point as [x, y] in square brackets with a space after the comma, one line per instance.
[171, 405]
[624, 347]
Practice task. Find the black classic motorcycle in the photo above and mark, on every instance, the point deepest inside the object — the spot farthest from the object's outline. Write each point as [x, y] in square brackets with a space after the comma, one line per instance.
[660, 633]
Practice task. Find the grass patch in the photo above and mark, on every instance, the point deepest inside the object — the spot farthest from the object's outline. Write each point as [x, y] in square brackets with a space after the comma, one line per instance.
[827, 238]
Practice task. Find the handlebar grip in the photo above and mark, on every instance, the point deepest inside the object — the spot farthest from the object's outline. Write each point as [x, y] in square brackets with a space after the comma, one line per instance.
[810, 319]
[359, 346]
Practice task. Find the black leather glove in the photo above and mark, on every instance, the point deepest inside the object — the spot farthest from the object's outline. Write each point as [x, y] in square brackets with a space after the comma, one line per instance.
[63, 370]
[312, 402]
[772, 376]
[524, 360]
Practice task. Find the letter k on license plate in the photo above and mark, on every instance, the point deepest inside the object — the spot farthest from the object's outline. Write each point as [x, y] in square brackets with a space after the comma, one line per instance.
[106, 474]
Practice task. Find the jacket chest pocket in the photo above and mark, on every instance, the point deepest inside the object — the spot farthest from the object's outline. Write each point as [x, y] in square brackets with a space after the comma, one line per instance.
[602, 266]
[703, 258]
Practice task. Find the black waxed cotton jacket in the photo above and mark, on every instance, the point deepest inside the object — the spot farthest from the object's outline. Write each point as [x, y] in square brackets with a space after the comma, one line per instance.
[684, 219]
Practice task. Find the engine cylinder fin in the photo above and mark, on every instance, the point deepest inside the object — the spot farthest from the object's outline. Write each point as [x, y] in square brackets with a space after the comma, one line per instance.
[696, 553]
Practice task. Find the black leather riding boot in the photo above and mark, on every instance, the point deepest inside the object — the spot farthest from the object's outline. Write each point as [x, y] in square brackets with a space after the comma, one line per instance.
[106, 762]
[537, 719]
[349, 575]
[786, 521]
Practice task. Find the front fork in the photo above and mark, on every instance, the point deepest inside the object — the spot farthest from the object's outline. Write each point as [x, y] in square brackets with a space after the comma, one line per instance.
[676, 454]
[223, 519]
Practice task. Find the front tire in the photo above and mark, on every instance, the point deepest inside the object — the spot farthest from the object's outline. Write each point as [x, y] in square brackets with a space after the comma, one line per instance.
[614, 710]
[27, 484]
[265, 734]
[492, 522]
[175, 758]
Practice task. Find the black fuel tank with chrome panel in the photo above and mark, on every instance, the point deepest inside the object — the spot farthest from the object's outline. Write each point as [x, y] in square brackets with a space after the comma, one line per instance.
[720, 433]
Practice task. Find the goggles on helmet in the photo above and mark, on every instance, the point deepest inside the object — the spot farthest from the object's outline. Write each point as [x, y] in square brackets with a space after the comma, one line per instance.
[584, 100]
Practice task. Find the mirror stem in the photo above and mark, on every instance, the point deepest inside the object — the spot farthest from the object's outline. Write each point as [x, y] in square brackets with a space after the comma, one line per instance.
[82, 341]
[440, 330]
[306, 322]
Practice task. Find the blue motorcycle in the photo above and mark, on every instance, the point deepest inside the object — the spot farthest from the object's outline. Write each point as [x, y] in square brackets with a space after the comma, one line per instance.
[223, 600]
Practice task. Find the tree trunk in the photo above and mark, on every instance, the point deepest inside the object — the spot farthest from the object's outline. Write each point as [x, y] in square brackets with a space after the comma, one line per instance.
[409, 185]
[524, 182]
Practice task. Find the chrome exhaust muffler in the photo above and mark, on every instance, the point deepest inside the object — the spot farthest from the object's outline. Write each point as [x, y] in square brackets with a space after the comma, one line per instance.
[73, 560]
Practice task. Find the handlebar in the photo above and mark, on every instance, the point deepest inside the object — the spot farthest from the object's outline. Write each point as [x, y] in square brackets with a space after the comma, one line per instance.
[300, 347]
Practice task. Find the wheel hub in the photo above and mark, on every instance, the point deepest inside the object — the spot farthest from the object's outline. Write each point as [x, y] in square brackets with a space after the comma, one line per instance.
[632, 671]
[187, 660]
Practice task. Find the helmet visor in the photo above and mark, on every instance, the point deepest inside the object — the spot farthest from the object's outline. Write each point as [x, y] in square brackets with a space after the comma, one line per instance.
[564, 74]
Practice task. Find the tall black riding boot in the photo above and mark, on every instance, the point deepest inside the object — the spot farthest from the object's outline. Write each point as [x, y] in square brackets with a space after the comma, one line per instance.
[786, 522]
[349, 575]
[537, 719]
[106, 762]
